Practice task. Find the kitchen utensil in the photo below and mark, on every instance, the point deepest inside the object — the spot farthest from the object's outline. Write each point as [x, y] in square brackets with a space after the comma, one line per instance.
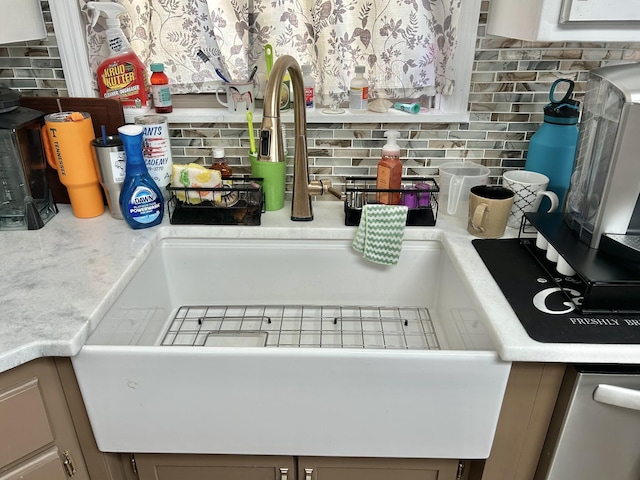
[529, 188]
[456, 180]
[26, 202]
[268, 58]
[489, 207]
[67, 139]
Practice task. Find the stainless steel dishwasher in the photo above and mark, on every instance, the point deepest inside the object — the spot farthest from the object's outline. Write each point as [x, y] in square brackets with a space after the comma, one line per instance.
[595, 428]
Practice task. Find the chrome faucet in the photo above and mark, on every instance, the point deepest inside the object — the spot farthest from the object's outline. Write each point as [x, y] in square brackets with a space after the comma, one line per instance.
[271, 145]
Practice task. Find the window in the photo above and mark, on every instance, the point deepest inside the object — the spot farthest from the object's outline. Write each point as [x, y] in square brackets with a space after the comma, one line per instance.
[333, 52]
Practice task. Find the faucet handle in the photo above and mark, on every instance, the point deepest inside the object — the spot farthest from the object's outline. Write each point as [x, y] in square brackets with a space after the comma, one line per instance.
[320, 187]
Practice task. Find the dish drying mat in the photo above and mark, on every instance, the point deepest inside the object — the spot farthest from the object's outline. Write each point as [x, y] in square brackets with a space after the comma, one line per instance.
[304, 326]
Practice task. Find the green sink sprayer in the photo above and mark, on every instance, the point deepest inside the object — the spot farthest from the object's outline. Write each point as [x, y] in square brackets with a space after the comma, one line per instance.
[141, 200]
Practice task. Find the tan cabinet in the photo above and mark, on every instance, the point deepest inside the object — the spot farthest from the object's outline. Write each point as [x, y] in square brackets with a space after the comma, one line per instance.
[37, 436]
[321, 468]
[214, 467]
[43, 428]
[231, 467]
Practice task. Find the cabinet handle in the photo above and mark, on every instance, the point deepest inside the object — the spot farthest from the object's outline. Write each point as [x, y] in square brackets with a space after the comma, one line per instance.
[284, 473]
[617, 396]
[68, 463]
[308, 473]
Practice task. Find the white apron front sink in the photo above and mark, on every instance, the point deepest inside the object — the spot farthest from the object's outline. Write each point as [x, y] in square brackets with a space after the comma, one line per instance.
[292, 347]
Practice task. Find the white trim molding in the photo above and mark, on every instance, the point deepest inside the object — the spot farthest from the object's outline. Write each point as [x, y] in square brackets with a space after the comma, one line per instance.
[69, 29]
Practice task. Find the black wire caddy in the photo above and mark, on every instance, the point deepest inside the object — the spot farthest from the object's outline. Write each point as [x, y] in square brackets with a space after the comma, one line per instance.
[239, 203]
[420, 194]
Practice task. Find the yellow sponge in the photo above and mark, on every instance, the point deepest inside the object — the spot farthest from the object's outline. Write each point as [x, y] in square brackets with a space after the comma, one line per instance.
[193, 175]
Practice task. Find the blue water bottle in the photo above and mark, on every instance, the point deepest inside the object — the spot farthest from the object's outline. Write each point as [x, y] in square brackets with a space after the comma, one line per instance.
[552, 148]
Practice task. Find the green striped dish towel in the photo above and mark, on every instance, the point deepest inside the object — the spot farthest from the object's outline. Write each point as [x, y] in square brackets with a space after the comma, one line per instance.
[379, 235]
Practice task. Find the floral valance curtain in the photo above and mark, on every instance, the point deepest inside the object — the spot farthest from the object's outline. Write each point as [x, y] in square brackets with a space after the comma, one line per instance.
[407, 46]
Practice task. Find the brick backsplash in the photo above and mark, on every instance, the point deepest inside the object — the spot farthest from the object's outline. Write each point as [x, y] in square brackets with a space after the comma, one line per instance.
[509, 87]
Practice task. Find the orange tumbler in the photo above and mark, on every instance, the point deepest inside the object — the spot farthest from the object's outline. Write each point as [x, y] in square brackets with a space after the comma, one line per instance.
[67, 140]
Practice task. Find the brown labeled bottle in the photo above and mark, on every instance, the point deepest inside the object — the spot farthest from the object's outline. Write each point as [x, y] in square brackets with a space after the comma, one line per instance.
[389, 174]
[160, 89]
[220, 164]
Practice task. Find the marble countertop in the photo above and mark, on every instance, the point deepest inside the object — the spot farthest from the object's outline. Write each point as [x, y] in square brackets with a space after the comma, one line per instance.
[57, 282]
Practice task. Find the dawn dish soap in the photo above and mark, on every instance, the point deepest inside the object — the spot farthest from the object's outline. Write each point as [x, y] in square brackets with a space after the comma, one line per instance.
[141, 201]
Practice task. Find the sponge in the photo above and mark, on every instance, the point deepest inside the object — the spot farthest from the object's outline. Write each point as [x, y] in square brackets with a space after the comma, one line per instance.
[193, 175]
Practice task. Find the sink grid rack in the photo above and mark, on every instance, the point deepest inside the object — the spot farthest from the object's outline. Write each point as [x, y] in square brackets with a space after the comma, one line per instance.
[420, 194]
[242, 203]
[404, 328]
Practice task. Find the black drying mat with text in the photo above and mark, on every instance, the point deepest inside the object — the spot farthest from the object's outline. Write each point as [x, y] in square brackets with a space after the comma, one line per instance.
[546, 313]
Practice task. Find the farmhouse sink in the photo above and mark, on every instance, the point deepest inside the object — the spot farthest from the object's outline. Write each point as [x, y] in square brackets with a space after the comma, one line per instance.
[292, 347]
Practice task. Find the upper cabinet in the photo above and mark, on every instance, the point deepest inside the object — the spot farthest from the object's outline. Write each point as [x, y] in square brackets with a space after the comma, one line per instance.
[565, 20]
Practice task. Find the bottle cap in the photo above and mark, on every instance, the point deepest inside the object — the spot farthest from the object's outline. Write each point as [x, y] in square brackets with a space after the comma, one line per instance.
[359, 68]
[391, 148]
[218, 152]
[157, 67]
[306, 68]
[565, 110]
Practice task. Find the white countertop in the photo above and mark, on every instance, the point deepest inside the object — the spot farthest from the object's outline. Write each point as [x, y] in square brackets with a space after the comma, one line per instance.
[57, 282]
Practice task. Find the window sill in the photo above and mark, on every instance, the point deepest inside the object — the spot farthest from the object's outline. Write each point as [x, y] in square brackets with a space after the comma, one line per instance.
[220, 115]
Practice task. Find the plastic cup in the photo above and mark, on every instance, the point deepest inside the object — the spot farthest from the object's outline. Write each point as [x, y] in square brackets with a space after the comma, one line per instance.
[273, 175]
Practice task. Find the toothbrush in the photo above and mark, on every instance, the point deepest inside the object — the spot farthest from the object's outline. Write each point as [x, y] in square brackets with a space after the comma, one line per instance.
[252, 140]
[253, 73]
[205, 58]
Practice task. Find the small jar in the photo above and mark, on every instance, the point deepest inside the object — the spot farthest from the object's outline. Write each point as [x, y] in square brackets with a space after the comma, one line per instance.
[230, 198]
[160, 89]
[220, 164]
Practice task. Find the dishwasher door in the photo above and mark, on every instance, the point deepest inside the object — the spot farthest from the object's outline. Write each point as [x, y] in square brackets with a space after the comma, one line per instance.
[595, 428]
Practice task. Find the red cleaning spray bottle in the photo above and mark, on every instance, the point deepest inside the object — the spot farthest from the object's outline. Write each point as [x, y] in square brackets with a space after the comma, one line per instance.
[122, 75]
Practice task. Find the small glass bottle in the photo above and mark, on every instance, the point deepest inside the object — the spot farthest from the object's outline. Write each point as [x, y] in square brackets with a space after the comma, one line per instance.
[358, 91]
[160, 89]
[309, 88]
[220, 164]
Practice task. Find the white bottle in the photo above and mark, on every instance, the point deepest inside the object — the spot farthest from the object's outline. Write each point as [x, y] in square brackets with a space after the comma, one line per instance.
[309, 88]
[358, 91]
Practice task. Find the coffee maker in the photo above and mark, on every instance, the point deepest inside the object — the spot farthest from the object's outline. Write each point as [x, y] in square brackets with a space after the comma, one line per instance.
[26, 201]
[598, 233]
[603, 201]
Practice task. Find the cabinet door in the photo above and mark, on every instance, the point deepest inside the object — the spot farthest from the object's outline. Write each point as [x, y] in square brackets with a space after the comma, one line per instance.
[36, 425]
[46, 466]
[213, 467]
[23, 421]
[321, 468]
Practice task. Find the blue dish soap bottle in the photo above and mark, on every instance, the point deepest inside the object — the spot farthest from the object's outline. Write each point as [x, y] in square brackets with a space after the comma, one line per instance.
[552, 149]
[141, 200]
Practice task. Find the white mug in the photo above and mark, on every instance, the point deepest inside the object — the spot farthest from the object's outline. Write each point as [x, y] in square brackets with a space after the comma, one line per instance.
[529, 188]
[240, 96]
